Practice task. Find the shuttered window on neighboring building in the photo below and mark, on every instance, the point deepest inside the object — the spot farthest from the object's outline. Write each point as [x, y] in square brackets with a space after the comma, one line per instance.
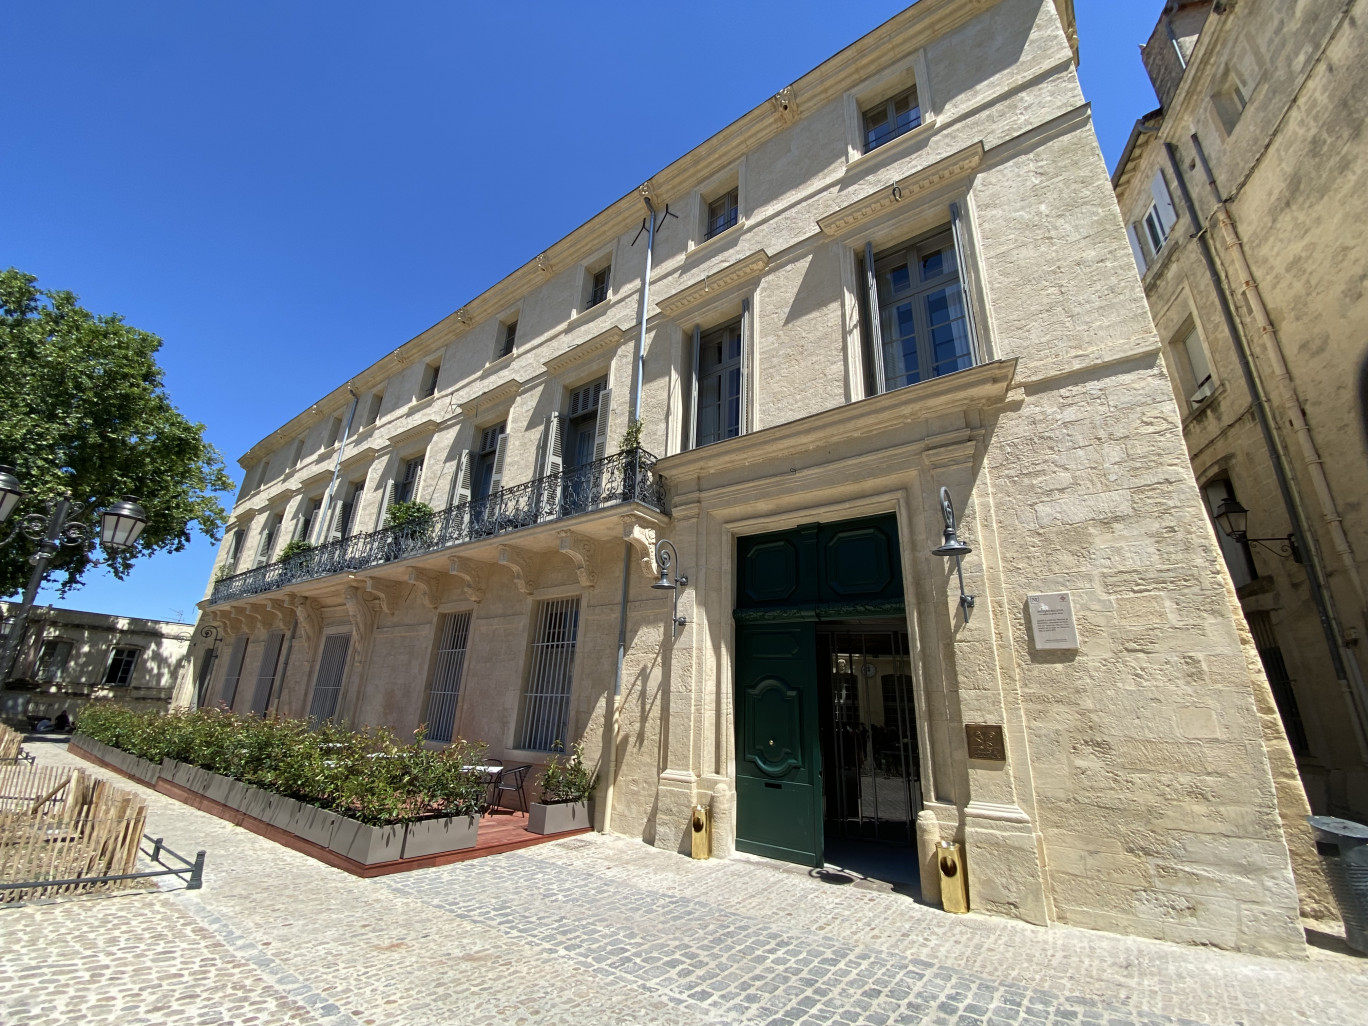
[1270, 654]
[332, 666]
[53, 660]
[266, 675]
[446, 676]
[232, 673]
[546, 699]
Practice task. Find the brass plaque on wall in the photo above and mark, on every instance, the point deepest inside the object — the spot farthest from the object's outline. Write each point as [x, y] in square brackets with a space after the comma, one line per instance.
[986, 741]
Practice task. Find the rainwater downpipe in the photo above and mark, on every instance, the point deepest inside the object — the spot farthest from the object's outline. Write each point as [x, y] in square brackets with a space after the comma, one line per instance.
[322, 525]
[639, 372]
[1259, 402]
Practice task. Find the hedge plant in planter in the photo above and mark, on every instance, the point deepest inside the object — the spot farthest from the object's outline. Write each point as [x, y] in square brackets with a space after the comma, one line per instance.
[566, 790]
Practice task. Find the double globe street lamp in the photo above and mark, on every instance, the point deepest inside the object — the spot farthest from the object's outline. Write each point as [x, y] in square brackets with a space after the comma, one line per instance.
[63, 527]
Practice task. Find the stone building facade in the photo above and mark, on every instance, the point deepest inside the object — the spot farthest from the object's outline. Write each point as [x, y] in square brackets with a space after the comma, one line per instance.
[903, 273]
[68, 658]
[1243, 195]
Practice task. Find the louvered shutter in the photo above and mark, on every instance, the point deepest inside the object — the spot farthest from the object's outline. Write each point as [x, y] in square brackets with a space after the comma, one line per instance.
[741, 419]
[693, 388]
[460, 485]
[957, 228]
[1136, 250]
[386, 503]
[875, 325]
[233, 671]
[605, 406]
[500, 454]
[1163, 202]
[552, 457]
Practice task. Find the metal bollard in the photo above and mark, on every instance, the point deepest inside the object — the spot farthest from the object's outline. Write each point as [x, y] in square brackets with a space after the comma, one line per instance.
[196, 880]
[953, 881]
[701, 825]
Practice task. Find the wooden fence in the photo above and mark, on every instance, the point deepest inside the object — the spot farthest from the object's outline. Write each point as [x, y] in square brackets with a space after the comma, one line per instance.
[64, 824]
[10, 740]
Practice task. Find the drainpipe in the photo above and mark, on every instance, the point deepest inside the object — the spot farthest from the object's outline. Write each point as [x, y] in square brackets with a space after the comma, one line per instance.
[639, 372]
[322, 524]
[1343, 667]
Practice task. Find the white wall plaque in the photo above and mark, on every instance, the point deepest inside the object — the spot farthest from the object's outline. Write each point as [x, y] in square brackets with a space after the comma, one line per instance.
[1052, 620]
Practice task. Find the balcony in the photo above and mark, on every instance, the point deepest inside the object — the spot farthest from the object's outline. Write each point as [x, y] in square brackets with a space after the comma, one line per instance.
[625, 477]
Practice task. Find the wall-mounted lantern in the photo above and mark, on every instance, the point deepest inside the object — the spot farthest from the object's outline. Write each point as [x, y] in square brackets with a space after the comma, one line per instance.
[667, 557]
[952, 546]
[1233, 519]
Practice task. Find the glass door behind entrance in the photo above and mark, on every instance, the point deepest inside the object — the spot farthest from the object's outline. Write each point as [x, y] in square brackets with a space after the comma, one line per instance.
[869, 737]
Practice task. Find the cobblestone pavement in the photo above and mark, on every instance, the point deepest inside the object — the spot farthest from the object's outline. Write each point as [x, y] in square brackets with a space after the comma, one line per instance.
[600, 930]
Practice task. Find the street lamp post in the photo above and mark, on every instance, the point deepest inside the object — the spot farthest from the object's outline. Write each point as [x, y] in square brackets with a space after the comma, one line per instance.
[62, 527]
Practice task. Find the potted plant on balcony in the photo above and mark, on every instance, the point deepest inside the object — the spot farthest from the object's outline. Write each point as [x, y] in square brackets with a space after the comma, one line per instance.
[566, 790]
[295, 548]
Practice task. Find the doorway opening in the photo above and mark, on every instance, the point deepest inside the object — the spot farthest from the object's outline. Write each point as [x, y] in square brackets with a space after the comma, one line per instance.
[871, 790]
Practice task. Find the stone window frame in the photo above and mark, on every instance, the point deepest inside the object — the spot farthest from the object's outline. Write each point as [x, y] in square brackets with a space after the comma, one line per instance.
[733, 177]
[912, 72]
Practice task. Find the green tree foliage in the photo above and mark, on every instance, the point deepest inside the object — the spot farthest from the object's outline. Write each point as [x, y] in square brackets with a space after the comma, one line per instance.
[83, 410]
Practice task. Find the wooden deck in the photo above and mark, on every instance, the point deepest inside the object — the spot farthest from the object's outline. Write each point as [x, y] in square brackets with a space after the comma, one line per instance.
[499, 832]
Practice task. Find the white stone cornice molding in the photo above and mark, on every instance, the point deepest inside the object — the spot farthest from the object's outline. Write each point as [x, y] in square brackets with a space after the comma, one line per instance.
[643, 540]
[390, 593]
[581, 551]
[255, 617]
[733, 274]
[504, 392]
[853, 215]
[524, 567]
[430, 585]
[471, 573]
[785, 104]
[601, 346]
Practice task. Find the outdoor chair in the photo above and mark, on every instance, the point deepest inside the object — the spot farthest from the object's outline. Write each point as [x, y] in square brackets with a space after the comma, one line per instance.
[512, 779]
[493, 771]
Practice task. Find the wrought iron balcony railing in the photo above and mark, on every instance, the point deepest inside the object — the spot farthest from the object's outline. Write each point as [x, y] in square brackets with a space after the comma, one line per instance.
[627, 476]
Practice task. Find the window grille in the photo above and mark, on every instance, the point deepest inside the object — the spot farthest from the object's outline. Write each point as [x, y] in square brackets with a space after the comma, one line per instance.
[270, 661]
[332, 666]
[722, 213]
[886, 121]
[446, 676]
[1270, 654]
[598, 286]
[232, 673]
[585, 399]
[546, 700]
[121, 665]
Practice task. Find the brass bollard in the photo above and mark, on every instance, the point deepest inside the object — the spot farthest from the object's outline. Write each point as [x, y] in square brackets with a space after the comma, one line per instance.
[701, 825]
[954, 884]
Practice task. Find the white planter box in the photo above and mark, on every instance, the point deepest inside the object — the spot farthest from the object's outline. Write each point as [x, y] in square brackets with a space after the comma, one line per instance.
[434, 836]
[367, 844]
[555, 819]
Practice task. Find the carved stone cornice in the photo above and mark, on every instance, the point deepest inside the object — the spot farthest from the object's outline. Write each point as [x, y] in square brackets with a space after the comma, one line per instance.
[504, 392]
[430, 585]
[578, 356]
[852, 215]
[785, 104]
[360, 456]
[471, 572]
[581, 551]
[426, 427]
[524, 567]
[642, 537]
[731, 275]
[390, 593]
[281, 611]
[360, 613]
[307, 616]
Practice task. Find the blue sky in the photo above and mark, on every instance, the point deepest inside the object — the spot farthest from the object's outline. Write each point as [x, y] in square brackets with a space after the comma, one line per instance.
[286, 191]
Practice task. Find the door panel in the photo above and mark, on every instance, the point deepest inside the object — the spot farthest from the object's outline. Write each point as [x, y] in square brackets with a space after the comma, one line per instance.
[778, 766]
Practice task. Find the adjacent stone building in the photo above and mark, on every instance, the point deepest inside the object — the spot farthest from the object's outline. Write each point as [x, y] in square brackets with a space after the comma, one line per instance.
[903, 273]
[1244, 196]
[68, 658]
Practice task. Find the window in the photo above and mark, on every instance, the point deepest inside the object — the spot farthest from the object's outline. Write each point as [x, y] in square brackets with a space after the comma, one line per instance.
[121, 664]
[719, 359]
[344, 515]
[407, 488]
[296, 451]
[261, 477]
[430, 375]
[304, 531]
[235, 548]
[377, 399]
[1229, 101]
[1238, 557]
[332, 666]
[1193, 359]
[52, 660]
[922, 328]
[232, 671]
[598, 286]
[583, 428]
[508, 335]
[268, 539]
[334, 434]
[270, 660]
[488, 471]
[722, 214]
[546, 700]
[446, 676]
[1148, 235]
[886, 121]
[1270, 654]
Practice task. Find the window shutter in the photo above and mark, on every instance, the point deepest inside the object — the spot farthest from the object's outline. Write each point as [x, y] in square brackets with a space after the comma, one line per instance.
[233, 671]
[693, 388]
[460, 485]
[957, 229]
[336, 520]
[745, 364]
[875, 326]
[1136, 249]
[1168, 217]
[387, 500]
[552, 458]
[500, 454]
[605, 406]
[1197, 362]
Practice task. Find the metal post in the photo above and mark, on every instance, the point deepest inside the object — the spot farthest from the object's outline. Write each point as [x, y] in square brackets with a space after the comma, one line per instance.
[47, 548]
[196, 880]
[156, 848]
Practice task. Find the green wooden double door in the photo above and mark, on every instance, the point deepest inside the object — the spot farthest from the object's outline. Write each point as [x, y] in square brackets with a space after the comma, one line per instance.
[789, 585]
